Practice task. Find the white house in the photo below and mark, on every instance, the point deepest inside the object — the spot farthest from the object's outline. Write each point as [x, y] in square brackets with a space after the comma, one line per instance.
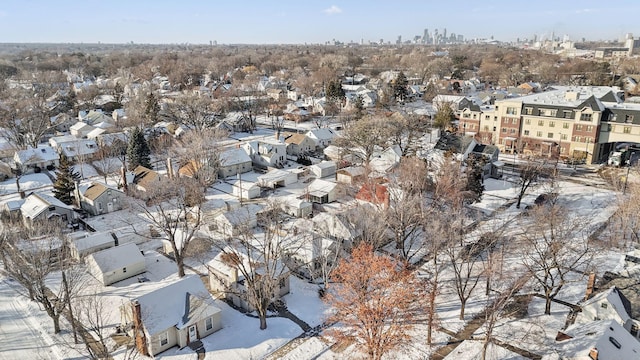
[42, 157]
[296, 207]
[322, 137]
[267, 153]
[322, 191]
[234, 161]
[299, 144]
[40, 207]
[115, 264]
[231, 223]
[80, 129]
[350, 175]
[323, 169]
[246, 190]
[90, 243]
[179, 313]
[597, 340]
[612, 304]
[277, 178]
[227, 279]
[335, 227]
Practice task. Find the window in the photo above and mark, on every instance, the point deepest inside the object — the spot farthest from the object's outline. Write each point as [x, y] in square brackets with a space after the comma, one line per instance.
[590, 128]
[634, 330]
[628, 118]
[627, 130]
[552, 124]
[512, 131]
[124, 269]
[550, 135]
[585, 117]
[514, 121]
[494, 128]
[604, 305]
[208, 324]
[511, 110]
[474, 116]
[566, 114]
[164, 339]
[579, 127]
[614, 342]
[577, 139]
[527, 121]
[539, 134]
[495, 118]
[540, 122]
[528, 111]
[565, 125]
[526, 132]
[548, 112]
[487, 117]
[563, 136]
[504, 130]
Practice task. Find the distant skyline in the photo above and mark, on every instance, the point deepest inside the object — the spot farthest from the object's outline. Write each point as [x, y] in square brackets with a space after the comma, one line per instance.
[297, 22]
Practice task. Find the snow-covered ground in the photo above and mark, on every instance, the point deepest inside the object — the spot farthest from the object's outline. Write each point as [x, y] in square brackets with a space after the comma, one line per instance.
[27, 182]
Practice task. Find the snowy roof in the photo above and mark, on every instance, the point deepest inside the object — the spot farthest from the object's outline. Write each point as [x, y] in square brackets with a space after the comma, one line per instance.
[322, 134]
[35, 204]
[176, 304]
[273, 175]
[93, 240]
[95, 133]
[96, 189]
[325, 165]
[117, 257]
[234, 157]
[322, 186]
[610, 338]
[31, 155]
[559, 96]
[334, 225]
[80, 126]
[79, 147]
[353, 170]
[242, 215]
[613, 297]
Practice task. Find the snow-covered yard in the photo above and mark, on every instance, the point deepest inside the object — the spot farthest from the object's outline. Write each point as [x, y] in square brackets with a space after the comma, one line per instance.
[27, 182]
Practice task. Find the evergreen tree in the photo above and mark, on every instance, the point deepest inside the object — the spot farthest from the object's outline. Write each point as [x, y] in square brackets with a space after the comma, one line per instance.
[151, 109]
[138, 152]
[65, 181]
[475, 185]
[399, 86]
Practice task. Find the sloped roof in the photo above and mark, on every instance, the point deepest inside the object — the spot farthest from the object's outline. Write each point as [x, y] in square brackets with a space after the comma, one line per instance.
[35, 204]
[31, 155]
[234, 157]
[177, 304]
[144, 176]
[94, 240]
[96, 189]
[294, 138]
[602, 335]
[117, 257]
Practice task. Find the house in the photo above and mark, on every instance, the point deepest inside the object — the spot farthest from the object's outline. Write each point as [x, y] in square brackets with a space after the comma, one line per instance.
[277, 178]
[178, 313]
[99, 199]
[374, 193]
[311, 254]
[83, 244]
[80, 129]
[597, 340]
[145, 179]
[351, 175]
[116, 263]
[336, 227]
[40, 207]
[296, 207]
[298, 144]
[76, 149]
[323, 169]
[276, 94]
[322, 137]
[384, 161]
[266, 153]
[231, 223]
[62, 122]
[43, 157]
[226, 277]
[246, 190]
[322, 192]
[233, 162]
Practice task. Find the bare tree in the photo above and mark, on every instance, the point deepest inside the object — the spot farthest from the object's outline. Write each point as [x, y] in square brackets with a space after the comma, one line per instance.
[194, 111]
[33, 256]
[530, 172]
[466, 265]
[363, 137]
[199, 153]
[259, 257]
[554, 245]
[175, 210]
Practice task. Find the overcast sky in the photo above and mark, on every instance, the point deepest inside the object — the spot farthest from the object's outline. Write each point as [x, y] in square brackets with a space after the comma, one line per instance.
[308, 21]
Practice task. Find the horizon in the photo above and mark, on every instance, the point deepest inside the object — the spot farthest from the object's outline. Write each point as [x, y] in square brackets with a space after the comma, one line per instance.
[287, 22]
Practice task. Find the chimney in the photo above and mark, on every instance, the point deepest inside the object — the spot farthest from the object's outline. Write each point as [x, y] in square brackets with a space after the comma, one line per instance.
[590, 284]
[141, 341]
[170, 168]
[22, 194]
[593, 354]
[123, 173]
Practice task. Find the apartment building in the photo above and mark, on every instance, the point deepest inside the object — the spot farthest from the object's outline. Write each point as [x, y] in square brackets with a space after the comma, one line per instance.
[582, 122]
